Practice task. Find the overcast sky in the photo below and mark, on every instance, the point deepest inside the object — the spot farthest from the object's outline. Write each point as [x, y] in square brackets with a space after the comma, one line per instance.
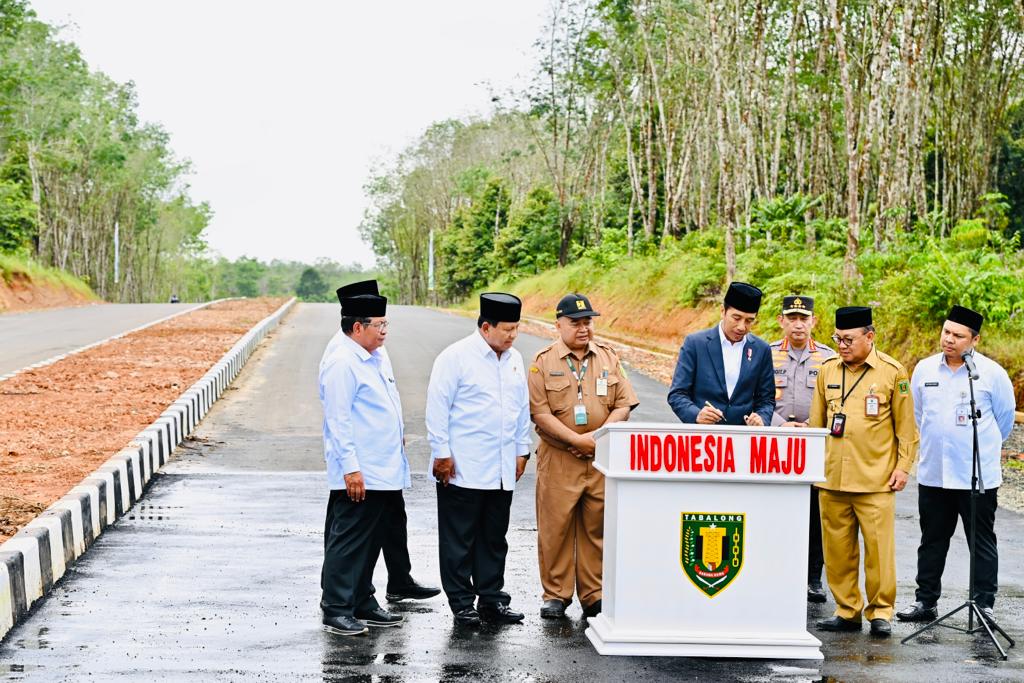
[283, 108]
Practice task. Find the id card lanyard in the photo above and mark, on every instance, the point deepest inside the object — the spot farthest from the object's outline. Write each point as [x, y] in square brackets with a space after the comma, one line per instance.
[579, 411]
[838, 427]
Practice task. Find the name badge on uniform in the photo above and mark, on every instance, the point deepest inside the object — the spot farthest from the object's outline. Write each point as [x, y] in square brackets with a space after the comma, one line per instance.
[579, 413]
[602, 386]
[838, 425]
[871, 405]
[963, 415]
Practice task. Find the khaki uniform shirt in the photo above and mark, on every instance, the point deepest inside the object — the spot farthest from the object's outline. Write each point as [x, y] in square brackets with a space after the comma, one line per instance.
[796, 376]
[553, 389]
[862, 460]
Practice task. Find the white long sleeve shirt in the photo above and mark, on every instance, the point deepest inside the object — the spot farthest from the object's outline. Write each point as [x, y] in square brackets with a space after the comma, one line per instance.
[947, 443]
[363, 428]
[478, 411]
[732, 359]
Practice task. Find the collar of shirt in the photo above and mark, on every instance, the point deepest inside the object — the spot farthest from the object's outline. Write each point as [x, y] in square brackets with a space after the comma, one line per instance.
[484, 349]
[871, 361]
[562, 350]
[725, 340]
[361, 353]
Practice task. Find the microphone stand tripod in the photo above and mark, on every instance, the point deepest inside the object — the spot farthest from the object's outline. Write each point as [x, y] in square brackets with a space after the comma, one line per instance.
[977, 489]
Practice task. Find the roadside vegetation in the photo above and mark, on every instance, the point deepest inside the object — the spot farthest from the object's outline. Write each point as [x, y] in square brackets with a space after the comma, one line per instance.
[859, 152]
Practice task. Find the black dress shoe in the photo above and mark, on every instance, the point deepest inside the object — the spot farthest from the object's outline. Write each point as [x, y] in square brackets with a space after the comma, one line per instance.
[838, 624]
[552, 609]
[500, 614]
[881, 628]
[379, 617]
[593, 609]
[344, 626]
[413, 591]
[918, 611]
[467, 617]
[815, 593]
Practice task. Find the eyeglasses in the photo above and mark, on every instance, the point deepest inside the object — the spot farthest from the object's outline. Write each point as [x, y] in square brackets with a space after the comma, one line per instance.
[844, 341]
[382, 325]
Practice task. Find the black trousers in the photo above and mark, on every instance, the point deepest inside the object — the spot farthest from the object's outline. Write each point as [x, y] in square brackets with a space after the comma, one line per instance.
[472, 524]
[815, 556]
[395, 545]
[352, 541]
[939, 509]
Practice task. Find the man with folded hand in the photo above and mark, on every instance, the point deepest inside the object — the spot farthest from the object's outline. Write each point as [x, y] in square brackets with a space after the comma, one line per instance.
[942, 407]
[576, 386]
[366, 464]
[478, 426]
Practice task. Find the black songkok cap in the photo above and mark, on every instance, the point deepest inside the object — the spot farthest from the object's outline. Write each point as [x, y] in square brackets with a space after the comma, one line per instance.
[575, 306]
[364, 306]
[965, 316]
[743, 297]
[357, 288]
[851, 317]
[804, 305]
[499, 307]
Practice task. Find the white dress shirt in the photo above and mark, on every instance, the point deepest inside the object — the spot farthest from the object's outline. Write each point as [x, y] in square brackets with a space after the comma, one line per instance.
[732, 359]
[363, 428]
[478, 410]
[946, 449]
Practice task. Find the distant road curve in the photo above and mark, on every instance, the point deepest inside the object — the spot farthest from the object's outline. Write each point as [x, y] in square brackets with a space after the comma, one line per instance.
[27, 338]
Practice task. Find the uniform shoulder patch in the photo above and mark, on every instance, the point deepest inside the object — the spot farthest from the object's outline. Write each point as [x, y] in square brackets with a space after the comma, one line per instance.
[890, 360]
[534, 368]
[903, 386]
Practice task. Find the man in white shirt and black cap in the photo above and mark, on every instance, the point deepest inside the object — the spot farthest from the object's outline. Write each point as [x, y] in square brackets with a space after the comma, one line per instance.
[478, 425]
[394, 528]
[724, 374]
[942, 409]
[366, 464]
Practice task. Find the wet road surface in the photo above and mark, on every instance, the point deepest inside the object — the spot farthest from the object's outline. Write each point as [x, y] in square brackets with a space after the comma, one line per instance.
[215, 574]
[27, 338]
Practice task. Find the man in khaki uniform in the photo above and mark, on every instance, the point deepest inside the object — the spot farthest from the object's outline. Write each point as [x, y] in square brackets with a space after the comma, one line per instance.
[576, 386]
[863, 399]
[796, 361]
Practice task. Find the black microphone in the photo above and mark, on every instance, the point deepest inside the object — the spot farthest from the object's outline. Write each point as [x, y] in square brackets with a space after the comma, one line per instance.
[968, 358]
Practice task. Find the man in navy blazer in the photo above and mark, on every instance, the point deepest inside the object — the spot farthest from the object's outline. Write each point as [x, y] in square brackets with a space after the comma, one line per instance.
[724, 374]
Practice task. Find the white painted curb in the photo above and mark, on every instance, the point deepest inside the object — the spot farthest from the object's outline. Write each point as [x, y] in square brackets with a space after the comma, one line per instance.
[34, 559]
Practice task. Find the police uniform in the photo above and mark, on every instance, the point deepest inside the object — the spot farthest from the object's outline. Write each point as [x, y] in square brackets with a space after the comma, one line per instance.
[796, 376]
[877, 436]
[570, 490]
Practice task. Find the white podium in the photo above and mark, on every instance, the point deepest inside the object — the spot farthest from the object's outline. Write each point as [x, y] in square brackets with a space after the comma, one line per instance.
[705, 540]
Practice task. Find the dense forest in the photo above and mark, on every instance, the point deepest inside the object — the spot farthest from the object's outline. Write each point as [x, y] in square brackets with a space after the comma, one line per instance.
[82, 179]
[863, 129]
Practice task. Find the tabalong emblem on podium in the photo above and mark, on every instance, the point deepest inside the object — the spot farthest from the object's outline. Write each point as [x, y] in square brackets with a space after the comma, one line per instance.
[712, 549]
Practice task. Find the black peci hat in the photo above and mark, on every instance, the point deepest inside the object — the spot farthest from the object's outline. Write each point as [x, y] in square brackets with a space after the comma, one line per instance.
[500, 307]
[364, 306]
[743, 297]
[575, 306]
[357, 288]
[965, 316]
[851, 317]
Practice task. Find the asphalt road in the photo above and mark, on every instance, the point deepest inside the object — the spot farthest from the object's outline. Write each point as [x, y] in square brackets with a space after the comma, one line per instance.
[215, 575]
[27, 338]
